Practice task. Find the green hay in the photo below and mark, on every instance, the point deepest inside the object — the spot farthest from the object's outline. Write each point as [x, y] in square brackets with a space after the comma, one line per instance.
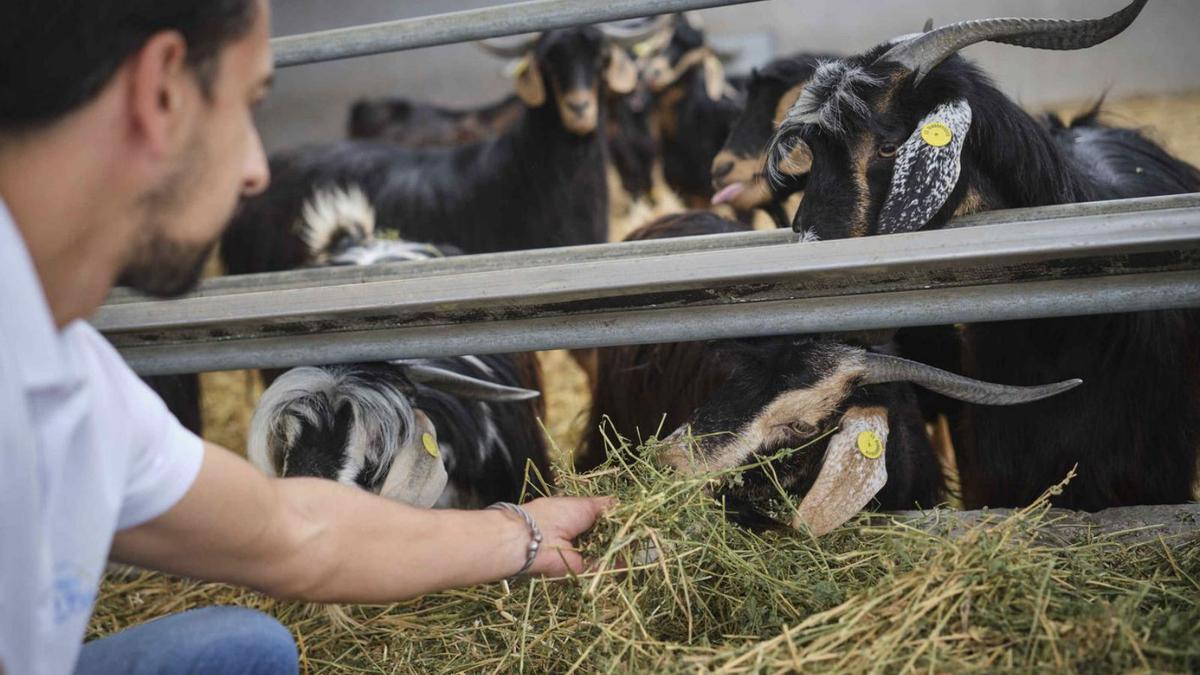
[878, 594]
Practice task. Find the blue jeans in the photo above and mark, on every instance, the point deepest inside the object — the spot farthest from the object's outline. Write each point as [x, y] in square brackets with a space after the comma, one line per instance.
[199, 641]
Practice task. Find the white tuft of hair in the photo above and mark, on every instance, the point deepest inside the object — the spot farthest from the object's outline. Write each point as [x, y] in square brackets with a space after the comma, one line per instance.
[384, 421]
[333, 212]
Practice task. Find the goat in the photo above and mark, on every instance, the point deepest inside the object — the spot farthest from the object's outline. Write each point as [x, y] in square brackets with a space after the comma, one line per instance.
[907, 135]
[851, 417]
[540, 184]
[694, 108]
[641, 388]
[455, 432]
[401, 428]
[737, 169]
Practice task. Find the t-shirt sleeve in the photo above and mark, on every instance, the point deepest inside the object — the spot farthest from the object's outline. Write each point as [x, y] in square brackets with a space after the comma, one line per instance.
[163, 457]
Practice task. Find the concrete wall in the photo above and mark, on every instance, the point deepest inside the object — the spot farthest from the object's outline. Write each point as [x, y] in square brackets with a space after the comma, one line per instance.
[1160, 53]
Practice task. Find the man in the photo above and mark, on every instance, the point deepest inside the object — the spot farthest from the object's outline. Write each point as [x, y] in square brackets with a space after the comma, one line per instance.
[126, 138]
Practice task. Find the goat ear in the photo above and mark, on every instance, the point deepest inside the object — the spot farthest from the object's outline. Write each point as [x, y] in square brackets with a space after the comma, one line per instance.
[621, 75]
[798, 160]
[853, 472]
[714, 77]
[530, 87]
[926, 168]
[418, 475]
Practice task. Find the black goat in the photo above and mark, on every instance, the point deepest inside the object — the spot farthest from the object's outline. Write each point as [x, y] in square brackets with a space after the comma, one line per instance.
[793, 393]
[909, 134]
[631, 145]
[540, 184]
[643, 388]
[694, 109]
[738, 169]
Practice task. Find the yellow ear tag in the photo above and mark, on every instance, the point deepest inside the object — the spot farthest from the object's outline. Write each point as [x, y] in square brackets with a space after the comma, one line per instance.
[431, 445]
[937, 134]
[642, 48]
[870, 445]
[520, 67]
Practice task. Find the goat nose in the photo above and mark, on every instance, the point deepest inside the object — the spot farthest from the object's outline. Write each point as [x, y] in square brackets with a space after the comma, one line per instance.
[721, 170]
[579, 108]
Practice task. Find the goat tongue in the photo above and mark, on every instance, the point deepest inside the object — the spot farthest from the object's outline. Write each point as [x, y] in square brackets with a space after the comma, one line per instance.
[728, 193]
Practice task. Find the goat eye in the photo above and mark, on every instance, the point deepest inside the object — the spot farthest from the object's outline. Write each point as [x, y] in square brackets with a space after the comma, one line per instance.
[887, 150]
[802, 428]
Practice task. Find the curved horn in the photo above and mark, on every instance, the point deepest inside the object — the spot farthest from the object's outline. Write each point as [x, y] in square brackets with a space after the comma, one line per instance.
[882, 368]
[922, 53]
[508, 50]
[625, 35]
[464, 385]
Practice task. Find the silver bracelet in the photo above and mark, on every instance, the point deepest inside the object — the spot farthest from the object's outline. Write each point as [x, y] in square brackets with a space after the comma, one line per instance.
[535, 535]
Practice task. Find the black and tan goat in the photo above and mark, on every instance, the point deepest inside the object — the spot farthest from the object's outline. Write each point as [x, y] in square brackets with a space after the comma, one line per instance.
[909, 134]
[540, 184]
[738, 170]
[694, 108]
[850, 415]
[641, 389]
[404, 428]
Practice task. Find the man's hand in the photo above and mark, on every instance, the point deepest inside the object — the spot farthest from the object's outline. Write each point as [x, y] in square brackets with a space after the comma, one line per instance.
[561, 520]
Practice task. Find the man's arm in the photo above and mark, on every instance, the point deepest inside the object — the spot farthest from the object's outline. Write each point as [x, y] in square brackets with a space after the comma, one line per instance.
[316, 540]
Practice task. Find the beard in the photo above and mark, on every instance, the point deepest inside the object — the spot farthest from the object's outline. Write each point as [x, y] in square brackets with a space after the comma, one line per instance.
[164, 268]
[158, 264]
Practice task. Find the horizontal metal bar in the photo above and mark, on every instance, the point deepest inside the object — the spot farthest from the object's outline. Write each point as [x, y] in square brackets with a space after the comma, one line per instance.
[1089, 263]
[329, 276]
[782, 317]
[476, 24]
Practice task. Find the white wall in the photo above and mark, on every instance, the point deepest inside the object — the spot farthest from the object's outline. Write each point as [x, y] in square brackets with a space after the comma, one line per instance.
[1160, 53]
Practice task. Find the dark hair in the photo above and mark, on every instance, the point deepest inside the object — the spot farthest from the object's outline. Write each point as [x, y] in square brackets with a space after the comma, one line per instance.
[56, 55]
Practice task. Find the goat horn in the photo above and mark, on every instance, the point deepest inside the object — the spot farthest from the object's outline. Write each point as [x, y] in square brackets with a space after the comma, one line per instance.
[464, 385]
[626, 35]
[510, 49]
[882, 368]
[924, 52]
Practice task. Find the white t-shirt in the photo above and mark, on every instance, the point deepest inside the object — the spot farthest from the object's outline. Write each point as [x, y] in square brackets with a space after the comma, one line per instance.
[86, 449]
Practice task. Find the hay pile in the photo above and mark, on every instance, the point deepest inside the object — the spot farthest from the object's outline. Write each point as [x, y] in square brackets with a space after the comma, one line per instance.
[873, 595]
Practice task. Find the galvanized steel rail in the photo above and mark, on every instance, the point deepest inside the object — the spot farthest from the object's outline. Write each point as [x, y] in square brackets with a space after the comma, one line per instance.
[1066, 260]
[476, 24]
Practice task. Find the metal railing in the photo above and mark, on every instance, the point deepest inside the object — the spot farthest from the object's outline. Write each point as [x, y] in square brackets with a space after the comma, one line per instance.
[1077, 259]
[476, 24]
[1064, 260]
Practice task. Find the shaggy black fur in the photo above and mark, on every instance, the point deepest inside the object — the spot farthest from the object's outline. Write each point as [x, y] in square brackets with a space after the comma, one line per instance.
[691, 125]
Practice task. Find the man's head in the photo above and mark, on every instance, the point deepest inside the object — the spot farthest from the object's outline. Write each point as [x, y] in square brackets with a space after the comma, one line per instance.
[165, 91]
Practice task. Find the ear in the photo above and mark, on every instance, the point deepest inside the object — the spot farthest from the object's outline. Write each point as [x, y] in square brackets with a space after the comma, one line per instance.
[464, 385]
[853, 472]
[530, 87]
[714, 77]
[798, 160]
[926, 168]
[621, 75]
[158, 91]
[418, 475]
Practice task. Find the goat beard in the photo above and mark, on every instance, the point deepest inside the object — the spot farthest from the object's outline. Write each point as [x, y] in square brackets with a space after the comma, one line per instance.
[158, 264]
